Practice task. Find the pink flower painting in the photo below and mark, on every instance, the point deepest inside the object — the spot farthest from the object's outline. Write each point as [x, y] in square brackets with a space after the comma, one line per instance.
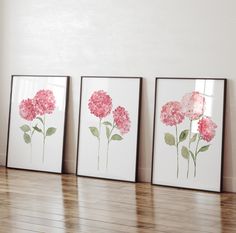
[45, 102]
[193, 106]
[100, 105]
[171, 113]
[121, 119]
[174, 113]
[207, 128]
[27, 109]
[35, 111]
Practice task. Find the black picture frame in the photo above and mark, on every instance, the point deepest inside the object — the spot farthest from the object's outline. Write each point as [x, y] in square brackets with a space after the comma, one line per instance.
[222, 112]
[67, 83]
[123, 78]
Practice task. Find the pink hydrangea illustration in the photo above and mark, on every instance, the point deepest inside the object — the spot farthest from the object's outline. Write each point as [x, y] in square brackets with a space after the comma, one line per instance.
[121, 119]
[100, 104]
[45, 102]
[193, 105]
[31, 109]
[206, 128]
[27, 109]
[171, 113]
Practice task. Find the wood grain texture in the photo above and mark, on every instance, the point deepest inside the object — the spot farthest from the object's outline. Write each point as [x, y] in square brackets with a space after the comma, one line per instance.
[41, 202]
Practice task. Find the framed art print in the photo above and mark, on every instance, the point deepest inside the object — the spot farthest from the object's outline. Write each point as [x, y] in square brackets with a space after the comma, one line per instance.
[37, 122]
[188, 133]
[109, 127]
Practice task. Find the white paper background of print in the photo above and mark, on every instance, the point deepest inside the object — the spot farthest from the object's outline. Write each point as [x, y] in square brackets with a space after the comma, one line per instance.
[208, 162]
[19, 152]
[122, 154]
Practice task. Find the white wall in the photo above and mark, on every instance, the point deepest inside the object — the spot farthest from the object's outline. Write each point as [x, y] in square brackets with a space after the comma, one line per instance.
[185, 38]
[3, 97]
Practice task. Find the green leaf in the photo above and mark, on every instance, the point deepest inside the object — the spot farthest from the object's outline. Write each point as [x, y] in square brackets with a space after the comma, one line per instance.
[194, 137]
[94, 131]
[107, 132]
[192, 155]
[203, 148]
[183, 135]
[36, 128]
[25, 128]
[33, 131]
[107, 123]
[27, 138]
[40, 118]
[169, 139]
[50, 131]
[185, 152]
[116, 137]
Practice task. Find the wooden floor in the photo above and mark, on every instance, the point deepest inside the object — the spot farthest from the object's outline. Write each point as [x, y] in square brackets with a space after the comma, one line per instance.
[40, 202]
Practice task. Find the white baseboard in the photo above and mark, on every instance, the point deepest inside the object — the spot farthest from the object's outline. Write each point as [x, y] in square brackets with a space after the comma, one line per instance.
[2, 159]
[229, 184]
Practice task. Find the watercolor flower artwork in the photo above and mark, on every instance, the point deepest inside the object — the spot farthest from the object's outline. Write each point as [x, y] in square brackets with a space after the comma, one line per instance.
[172, 115]
[100, 105]
[190, 108]
[35, 111]
[121, 122]
[27, 112]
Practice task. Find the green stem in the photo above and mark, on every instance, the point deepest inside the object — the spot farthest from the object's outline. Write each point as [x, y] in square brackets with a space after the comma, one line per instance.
[44, 136]
[108, 143]
[100, 120]
[31, 134]
[195, 156]
[177, 148]
[31, 151]
[189, 143]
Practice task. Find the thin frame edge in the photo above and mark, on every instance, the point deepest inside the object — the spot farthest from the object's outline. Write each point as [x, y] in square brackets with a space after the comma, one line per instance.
[138, 128]
[223, 131]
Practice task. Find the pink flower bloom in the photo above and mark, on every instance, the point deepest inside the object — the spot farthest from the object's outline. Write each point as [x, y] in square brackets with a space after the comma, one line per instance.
[193, 105]
[121, 119]
[171, 113]
[44, 102]
[206, 128]
[27, 109]
[100, 104]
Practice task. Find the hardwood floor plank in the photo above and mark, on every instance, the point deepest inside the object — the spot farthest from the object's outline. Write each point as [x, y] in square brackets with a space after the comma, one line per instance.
[42, 202]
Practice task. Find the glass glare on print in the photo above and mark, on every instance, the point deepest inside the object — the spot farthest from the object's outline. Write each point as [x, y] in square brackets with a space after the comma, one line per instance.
[37, 119]
[188, 133]
[192, 107]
